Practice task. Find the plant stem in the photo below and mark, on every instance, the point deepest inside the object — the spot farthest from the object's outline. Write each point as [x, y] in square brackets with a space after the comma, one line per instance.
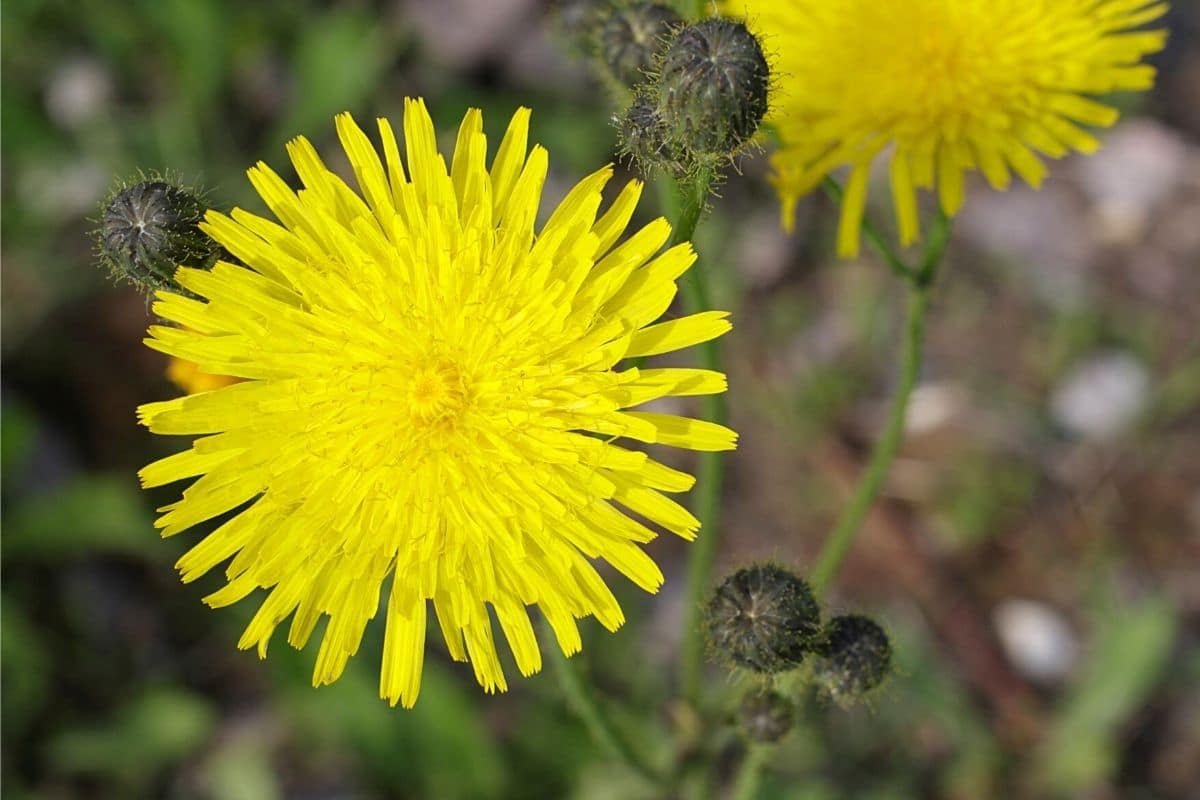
[869, 485]
[693, 196]
[585, 704]
[750, 773]
[874, 238]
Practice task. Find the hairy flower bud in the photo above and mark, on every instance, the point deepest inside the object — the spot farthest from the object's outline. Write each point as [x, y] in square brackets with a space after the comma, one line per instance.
[764, 618]
[148, 228]
[642, 135]
[633, 37]
[766, 716]
[855, 657]
[712, 86]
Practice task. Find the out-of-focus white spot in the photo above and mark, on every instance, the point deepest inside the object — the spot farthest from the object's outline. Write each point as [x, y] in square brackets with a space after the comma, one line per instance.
[933, 405]
[1101, 397]
[79, 90]
[1141, 165]
[1036, 638]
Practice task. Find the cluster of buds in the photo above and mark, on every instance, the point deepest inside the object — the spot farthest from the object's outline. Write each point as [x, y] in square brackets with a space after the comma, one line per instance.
[696, 92]
[151, 226]
[765, 619]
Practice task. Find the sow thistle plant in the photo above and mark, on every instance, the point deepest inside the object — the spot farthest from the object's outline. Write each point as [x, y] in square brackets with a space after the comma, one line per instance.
[409, 386]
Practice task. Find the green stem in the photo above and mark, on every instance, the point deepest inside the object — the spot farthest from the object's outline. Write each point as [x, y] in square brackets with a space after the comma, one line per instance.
[869, 485]
[587, 707]
[874, 238]
[750, 773]
[709, 477]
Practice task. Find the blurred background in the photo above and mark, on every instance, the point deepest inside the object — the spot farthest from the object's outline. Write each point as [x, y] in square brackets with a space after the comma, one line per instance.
[1036, 555]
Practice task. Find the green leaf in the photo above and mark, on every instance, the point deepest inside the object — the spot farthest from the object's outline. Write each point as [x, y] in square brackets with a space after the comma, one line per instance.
[157, 729]
[1129, 656]
[337, 63]
[18, 430]
[422, 752]
[92, 513]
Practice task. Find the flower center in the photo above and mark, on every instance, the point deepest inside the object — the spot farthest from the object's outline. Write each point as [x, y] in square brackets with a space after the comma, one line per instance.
[438, 392]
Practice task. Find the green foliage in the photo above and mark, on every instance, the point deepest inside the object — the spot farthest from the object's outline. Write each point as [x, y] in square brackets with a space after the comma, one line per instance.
[421, 753]
[90, 514]
[1129, 656]
[157, 729]
[337, 62]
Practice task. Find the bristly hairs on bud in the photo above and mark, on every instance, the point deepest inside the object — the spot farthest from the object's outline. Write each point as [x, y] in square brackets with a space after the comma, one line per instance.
[642, 137]
[764, 618]
[148, 226]
[713, 87]
[632, 40]
[855, 657]
[765, 716]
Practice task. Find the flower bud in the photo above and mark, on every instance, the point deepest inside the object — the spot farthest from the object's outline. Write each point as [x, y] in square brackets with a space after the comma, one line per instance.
[855, 657]
[766, 717]
[764, 618]
[633, 37]
[147, 229]
[642, 135]
[712, 86]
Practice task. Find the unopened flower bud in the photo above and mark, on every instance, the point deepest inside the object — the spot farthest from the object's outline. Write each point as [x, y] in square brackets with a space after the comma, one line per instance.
[712, 86]
[764, 618]
[642, 135]
[855, 657]
[766, 716]
[147, 229]
[633, 37]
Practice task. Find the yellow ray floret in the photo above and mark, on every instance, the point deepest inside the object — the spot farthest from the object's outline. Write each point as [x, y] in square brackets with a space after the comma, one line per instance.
[941, 88]
[432, 393]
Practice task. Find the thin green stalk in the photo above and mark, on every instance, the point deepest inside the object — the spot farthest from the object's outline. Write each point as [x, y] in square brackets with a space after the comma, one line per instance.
[869, 485]
[587, 706]
[874, 238]
[749, 776]
[693, 195]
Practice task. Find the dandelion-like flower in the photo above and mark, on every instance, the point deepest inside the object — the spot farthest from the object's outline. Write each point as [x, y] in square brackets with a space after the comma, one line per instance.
[941, 88]
[432, 391]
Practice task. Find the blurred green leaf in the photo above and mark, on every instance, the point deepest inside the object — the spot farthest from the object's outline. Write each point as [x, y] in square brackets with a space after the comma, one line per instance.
[338, 61]
[1129, 656]
[24, 662]
[157, 729]
[194, 36]
[92, 513]
[18, 429]
[422, 752]
[241, 770]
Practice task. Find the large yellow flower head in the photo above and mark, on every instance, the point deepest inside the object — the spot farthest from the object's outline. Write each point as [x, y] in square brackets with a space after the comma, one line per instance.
[940, 88]
[431, 392]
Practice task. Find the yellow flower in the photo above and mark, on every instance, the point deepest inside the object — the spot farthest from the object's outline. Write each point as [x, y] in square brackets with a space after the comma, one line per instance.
[940, 88]
[432, 393]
